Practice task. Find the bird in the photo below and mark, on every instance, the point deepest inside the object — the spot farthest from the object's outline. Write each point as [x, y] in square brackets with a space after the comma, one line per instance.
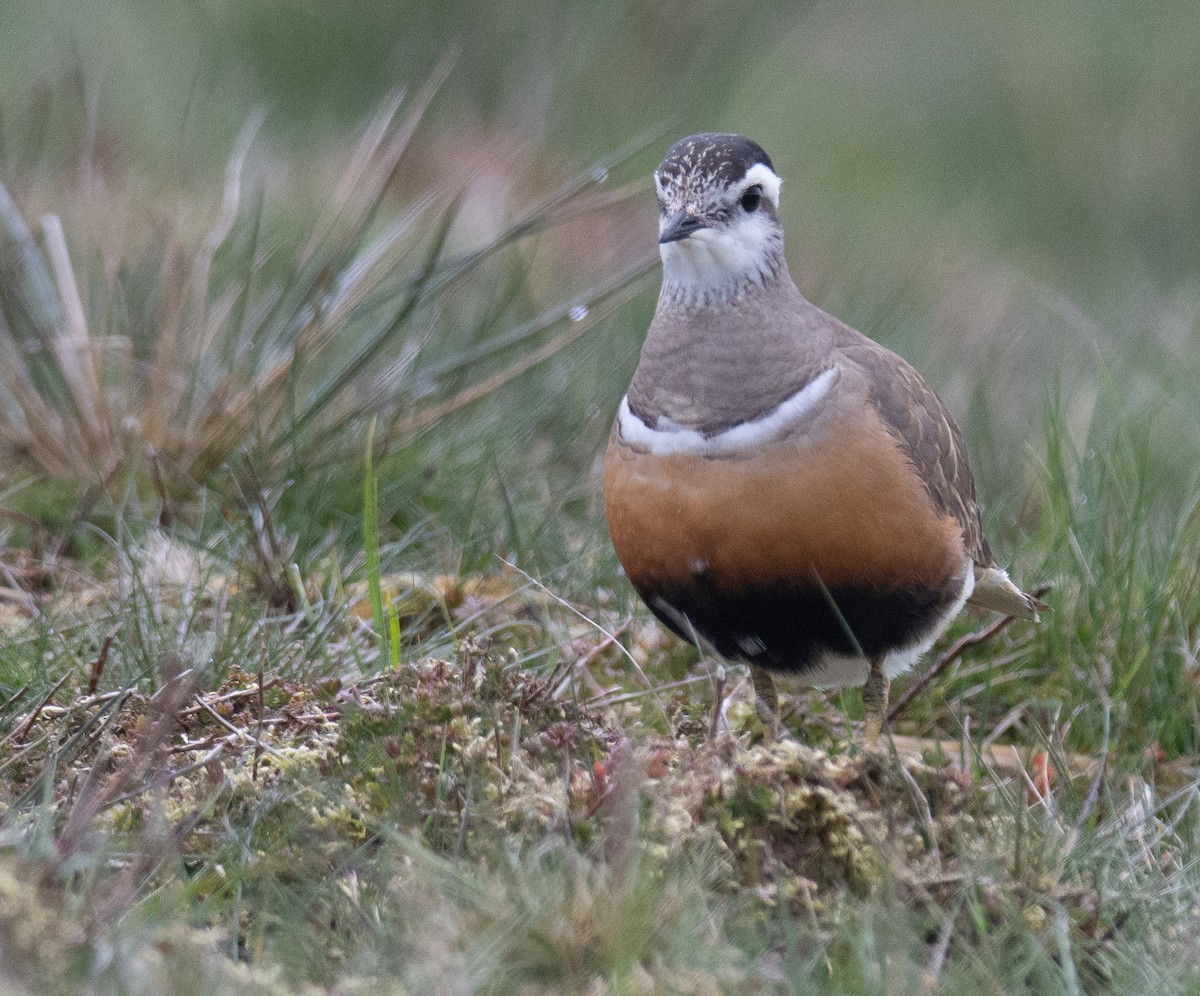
[779, 488]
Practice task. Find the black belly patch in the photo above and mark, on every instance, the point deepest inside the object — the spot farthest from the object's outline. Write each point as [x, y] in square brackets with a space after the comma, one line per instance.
[789, 627]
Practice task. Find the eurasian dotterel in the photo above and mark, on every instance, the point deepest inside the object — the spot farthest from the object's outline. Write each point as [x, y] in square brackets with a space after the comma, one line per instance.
[779, 488]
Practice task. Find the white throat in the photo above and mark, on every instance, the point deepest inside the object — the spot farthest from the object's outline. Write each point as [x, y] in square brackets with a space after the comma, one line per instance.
[720, 264]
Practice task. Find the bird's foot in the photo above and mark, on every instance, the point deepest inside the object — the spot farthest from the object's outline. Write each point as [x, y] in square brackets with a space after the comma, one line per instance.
[875, 704]
[766, 702]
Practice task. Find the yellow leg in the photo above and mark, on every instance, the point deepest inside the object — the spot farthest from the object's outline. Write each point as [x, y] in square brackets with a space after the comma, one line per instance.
[766, 701]
[875, 701]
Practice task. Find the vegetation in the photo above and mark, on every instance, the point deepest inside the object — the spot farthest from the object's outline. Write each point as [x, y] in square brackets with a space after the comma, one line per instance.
[317, 672]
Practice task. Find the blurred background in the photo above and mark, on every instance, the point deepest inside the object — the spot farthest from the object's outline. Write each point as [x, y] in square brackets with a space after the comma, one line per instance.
[1015, 180]
[247, 247]
[1004, 193]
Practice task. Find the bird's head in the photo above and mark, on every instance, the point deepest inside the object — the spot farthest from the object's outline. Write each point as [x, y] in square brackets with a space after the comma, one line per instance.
[718, 229]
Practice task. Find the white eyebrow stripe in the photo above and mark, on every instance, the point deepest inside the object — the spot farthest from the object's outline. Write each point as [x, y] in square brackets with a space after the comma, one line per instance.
[749, 435]
[765, 177]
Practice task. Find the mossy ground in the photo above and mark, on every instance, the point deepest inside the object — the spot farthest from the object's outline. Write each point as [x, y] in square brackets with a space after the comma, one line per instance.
[516, 825]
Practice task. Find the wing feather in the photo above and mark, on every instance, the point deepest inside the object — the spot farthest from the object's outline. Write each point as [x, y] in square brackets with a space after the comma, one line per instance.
[927, 432]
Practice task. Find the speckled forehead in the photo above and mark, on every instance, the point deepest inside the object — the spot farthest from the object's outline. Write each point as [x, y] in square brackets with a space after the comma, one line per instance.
[697, 170]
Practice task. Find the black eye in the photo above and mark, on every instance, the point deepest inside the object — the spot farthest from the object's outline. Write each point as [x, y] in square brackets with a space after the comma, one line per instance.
[751, 198]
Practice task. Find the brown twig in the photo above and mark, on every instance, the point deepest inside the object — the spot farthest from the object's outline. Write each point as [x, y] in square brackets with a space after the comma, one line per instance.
[1016, 762]
[97, 668]
[240, 693]
[204, 744]
[19, 733]
[241, 734]
[951, 655]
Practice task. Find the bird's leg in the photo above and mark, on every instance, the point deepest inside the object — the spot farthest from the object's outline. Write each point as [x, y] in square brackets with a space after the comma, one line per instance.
[875, 701]
[766, 701]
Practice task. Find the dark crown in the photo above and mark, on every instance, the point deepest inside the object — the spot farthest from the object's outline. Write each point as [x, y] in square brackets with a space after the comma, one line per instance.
[721, 160]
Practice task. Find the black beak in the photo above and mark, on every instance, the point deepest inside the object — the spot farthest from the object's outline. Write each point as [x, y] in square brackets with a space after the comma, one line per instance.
[680, 226]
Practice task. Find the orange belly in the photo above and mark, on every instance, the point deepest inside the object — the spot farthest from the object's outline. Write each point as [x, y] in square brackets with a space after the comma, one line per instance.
[848, 509]
[807, 548]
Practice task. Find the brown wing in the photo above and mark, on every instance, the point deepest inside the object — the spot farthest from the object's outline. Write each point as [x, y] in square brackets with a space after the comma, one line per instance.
[928, 434]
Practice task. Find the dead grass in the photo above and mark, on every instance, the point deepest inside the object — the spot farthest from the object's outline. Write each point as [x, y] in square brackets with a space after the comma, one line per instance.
[151, 368]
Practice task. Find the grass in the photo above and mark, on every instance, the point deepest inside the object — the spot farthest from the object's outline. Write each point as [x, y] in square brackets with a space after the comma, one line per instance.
[317, 672]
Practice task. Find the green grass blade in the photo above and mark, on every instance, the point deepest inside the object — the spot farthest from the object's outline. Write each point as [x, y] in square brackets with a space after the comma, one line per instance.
[370, 517]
